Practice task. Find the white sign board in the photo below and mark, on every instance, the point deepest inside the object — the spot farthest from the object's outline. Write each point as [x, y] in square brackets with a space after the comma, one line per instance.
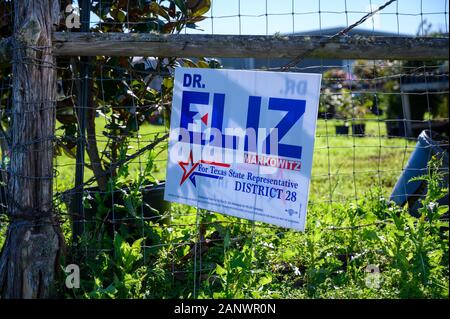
[241, 143]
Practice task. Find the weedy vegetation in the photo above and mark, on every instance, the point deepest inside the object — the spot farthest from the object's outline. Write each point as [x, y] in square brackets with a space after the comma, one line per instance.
[199, 254]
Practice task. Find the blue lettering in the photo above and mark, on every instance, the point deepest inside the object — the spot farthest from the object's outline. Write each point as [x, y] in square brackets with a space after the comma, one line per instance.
[188, 98]
[196, 81]
[254, 108]
[295, 109]
[187, 80]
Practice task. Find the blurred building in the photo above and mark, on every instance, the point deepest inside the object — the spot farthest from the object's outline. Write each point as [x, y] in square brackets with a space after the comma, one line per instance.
[307, 65]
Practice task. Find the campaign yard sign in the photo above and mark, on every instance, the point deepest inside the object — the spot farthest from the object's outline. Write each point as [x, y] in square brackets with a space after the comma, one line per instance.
[241, 143]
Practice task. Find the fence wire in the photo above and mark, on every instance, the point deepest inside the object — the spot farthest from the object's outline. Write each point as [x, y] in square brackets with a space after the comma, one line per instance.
[370, 115]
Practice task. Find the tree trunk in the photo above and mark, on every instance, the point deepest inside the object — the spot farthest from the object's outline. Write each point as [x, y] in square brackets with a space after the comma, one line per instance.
[30, 257]
[92, 147]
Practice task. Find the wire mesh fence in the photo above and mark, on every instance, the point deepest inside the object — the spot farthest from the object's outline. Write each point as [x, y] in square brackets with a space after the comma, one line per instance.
[112, 122]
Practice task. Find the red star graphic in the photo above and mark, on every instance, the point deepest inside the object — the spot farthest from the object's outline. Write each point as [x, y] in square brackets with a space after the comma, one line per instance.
[187, 173]
[204, 119]
[190, 161]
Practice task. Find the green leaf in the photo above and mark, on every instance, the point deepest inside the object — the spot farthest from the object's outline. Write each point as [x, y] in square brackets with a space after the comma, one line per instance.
[442, 210]
[203, 64]
[118, 241]
[110, 290]
[136, 246]
[121, 16]
[168, 83]
[370, 235]
[181, 5]
[130, 206]
[218, 295]
[220, 270]
[265, 280]
[157, 9]
[200, 7]
[288, 253]
[226, 240]
[188, 63]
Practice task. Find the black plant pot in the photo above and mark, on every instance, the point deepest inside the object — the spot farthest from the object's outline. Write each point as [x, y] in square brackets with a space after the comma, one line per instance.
[154, 208]
[152, 195]
[395, 129]
[359, 129]
[341, 130]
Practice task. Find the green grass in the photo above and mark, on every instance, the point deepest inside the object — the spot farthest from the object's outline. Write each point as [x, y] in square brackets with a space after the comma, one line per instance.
[65, 165]
[344, 167]
[241, 259]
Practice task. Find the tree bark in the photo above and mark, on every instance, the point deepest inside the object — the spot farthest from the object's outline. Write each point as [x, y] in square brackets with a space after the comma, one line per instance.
[92, 147]
[245, 46]
[5, 50]
[30, 257]
[250, 46]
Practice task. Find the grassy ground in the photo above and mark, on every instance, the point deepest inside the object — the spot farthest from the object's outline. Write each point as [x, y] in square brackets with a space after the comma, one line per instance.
[65, 165]
[240, 259]
[345, 167]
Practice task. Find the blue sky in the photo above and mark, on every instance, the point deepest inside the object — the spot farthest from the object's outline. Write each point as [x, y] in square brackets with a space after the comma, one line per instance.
[288, 16]
[306, 17]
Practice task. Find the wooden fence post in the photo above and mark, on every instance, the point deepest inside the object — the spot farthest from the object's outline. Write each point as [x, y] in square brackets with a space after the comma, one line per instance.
[30, 256]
